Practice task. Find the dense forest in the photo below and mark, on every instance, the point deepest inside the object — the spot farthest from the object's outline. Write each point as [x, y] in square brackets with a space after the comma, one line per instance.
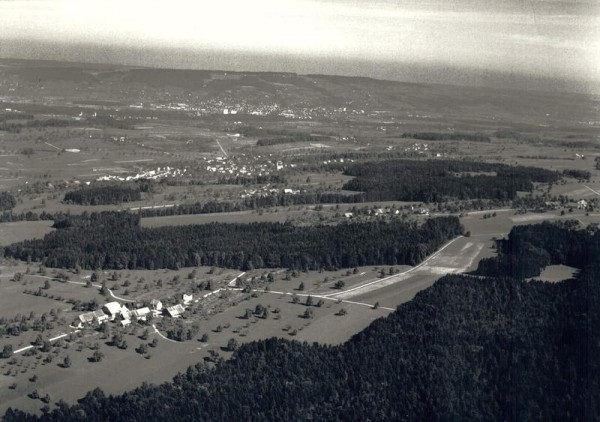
[528, 249]
[439, 180]
[7, 201]
[104, 195]
[455, 136]
[468, 348]
[111, 240]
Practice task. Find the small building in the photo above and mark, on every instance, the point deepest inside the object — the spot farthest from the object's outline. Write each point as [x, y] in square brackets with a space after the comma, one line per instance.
[156, 305]
[175, 311]
[348, 215]
[87, 318]
[187, 299]
[91, 317]
[582, 204]
[125, 313]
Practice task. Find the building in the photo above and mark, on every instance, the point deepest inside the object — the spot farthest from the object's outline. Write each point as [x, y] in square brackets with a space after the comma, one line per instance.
[112, 309]
[175, 311]
[92, 317]
[582, 204]
[187, 299]
[141, 314]
[156, 305]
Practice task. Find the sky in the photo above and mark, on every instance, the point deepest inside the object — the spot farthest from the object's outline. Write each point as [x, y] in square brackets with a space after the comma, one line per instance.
[542, 38]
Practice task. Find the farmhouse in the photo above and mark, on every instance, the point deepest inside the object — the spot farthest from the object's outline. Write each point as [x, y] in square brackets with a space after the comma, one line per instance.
[141, 314]
[112, 309]
[91, 317]
[175, 311]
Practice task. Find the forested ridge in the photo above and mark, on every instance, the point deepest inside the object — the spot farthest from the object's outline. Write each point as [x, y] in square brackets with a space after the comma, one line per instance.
[439, 180]
[112, 240]
[466, 349]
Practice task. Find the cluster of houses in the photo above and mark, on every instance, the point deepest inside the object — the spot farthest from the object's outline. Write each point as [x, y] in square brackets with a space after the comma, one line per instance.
[115, 311]
[223, 165]
[159, 173]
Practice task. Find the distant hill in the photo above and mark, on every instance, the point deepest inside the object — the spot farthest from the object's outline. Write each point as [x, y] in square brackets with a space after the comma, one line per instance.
[126, 83]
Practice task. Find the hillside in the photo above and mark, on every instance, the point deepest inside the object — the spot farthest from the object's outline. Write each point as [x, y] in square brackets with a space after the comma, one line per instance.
[466, 349]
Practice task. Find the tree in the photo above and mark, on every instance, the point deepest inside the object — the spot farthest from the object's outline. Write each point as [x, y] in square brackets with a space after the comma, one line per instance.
[340, 284]
[232, 344]
[46, 284]
[301, 286]
[104, 289]
[342, 312]
[7, 351]
[66, 362]
[309, 301]
[376, 305]
[97, 356]
[308, 313]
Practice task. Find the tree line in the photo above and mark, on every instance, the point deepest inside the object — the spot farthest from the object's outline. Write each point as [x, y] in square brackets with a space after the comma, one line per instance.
[112, 240]
[105, 194]
[454, 136]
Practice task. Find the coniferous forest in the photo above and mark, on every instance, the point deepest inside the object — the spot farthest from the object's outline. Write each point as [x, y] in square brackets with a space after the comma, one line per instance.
[439, 180]
[468, 348]
[111, 240]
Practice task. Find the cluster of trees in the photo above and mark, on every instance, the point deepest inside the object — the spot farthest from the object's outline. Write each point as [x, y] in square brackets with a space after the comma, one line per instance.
[15, 116]
[577, 174]
[13, 127]
[529, 249]
[465, 349]
[105, 194]
[7, 201]
[535, 139]
[292, 138]
[455, 136]
[439, 180]
[115, 240]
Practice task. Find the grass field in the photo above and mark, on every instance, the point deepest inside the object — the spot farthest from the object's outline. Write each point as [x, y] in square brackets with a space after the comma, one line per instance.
[23, 230]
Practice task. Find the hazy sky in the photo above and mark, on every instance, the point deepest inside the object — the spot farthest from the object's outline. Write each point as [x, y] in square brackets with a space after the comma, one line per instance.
[540, 37]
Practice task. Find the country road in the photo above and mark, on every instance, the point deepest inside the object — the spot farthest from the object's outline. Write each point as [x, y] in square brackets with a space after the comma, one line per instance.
[457, 256]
